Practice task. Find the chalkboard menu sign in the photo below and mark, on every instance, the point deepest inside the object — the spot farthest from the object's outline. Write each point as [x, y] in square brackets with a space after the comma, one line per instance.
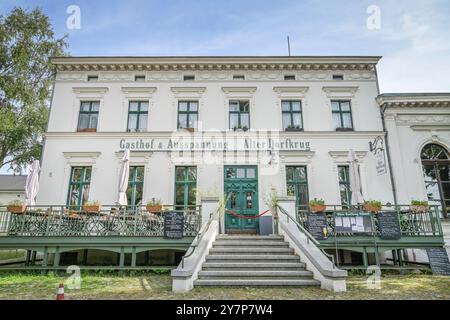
[389, 225]
[439, 261]
[353, 222]
[317, 226]
[173, 224]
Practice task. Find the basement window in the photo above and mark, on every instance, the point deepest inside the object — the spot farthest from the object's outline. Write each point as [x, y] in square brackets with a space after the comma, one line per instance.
[338, 77]
[238, 77]
[92, 78]
[189, 78]
[139, 78]
[289, 77]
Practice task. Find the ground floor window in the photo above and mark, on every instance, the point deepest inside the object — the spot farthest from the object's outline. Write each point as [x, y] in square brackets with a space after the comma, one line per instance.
[344, 186]
[436, 170]
[297, 185]
[79, 185]
[185, 187]
[135, 186]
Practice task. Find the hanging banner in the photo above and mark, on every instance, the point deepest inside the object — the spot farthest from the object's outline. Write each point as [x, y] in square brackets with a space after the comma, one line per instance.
[380, 163]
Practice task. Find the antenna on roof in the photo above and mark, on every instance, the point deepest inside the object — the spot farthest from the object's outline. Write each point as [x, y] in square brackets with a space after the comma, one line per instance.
[289, 46]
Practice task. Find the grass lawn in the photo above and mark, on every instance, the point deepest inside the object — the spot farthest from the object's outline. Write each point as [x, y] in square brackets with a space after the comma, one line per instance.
[11, 254]
[158, 286]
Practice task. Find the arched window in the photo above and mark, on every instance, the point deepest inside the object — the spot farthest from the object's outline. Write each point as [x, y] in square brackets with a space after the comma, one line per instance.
[436, 170]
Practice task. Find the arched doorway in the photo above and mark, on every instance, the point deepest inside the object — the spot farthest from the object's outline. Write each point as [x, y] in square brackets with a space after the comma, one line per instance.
[436, 170]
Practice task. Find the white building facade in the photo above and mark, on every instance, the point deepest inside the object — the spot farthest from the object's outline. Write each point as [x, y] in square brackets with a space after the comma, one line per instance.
[243, 127]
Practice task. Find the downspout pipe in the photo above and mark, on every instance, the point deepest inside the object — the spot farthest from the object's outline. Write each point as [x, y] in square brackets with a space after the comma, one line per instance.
[386, 138]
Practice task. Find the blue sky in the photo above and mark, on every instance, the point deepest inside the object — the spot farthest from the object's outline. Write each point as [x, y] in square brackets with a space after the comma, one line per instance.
[414, 37]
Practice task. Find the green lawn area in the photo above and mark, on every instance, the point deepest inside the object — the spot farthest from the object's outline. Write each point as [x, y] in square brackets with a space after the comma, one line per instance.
[11, 254]
[154, 286]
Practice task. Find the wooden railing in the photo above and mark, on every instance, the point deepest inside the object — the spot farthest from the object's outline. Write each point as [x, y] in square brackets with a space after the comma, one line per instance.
[73, 221]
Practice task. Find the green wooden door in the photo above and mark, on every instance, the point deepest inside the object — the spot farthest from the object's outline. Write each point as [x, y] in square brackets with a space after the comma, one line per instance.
[241, 190]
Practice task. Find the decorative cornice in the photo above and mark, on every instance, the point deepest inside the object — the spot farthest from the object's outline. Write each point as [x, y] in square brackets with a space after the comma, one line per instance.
[231, 90]
[214, 63]
[340, 91]
[341, 156]
[84, 90]
[417, 100]
[139, 90]
[291, 90]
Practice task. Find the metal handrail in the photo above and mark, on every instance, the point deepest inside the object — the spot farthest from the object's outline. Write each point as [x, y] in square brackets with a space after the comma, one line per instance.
[201, 233]
[309, 237]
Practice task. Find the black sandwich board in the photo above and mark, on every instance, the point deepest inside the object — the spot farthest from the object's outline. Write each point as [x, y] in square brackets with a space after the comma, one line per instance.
[173, 224]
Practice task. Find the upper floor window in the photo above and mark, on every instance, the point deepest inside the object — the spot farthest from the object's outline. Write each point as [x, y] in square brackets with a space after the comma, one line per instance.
[238, 77]
[292, 115]
[289, 77]
[189, 77]
[139, 78]
[92, 78]
[239, 117]
[342, 115]
[187, 114]
[137, 116]
[88, 118]
[338, 77]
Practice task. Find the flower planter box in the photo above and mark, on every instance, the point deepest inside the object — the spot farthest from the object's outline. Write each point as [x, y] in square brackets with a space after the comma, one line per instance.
[371, 208]
[92, 208]
[318, 208]
[17, 209]
[154, 209]
[418, 209]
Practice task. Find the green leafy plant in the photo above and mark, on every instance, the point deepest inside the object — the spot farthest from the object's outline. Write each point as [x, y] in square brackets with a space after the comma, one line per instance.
[16, 203]
[317, 202]
[154, 202]
[374, 203]
[419, 203]
[92, 203]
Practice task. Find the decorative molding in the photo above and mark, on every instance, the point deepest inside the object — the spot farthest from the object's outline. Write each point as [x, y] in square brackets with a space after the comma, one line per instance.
[340, 92]
[297, 156]
[418, 100]
[423, 119]
[341, 156]
[291, 91]
[81, 157]
[90, 92]
[138, 92]
[192, 92]
[239, 90]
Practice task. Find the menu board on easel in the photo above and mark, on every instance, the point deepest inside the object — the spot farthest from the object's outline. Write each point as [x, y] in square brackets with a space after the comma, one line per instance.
[389, 225]
[173, 224]
[317, 226]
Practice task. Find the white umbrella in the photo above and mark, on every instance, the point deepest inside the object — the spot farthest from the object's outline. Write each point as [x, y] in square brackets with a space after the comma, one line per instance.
[32, 183]
[123, 179]
[355, 181]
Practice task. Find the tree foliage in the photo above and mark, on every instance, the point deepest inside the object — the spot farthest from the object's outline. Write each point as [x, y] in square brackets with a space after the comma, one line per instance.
[27, 43]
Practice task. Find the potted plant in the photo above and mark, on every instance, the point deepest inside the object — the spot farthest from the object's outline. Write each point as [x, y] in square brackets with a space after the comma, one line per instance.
[372, 206]
[293, 128]
[418, 206]
[17, 207]
[317, 205]
[189, 129]
[92, 207]
[154, 206]
[240, 128]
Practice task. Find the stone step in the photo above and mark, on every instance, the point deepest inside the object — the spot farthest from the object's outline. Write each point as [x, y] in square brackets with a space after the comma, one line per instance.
[242, 266]
[256, 243]
[254, 274]
[253, 257]
[252, 251]
[257, 282]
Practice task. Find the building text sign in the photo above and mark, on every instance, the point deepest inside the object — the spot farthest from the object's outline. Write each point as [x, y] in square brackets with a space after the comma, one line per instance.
[215, 144]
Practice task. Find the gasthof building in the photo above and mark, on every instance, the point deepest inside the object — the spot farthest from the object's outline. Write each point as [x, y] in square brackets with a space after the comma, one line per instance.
[245, 129]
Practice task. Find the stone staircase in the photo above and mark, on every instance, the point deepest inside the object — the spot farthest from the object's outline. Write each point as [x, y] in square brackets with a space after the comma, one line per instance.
[242, 260]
